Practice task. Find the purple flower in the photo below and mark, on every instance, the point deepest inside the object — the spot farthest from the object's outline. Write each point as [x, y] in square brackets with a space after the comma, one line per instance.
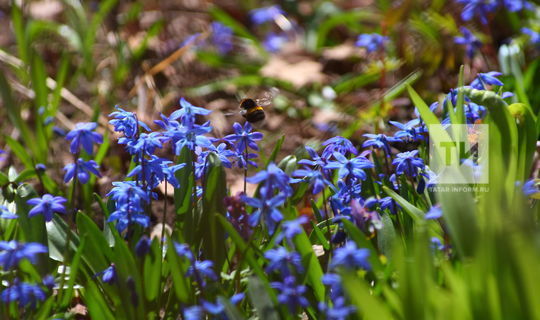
[6, 214]
[483, 79]
[11, 252]
[406, 131]
[108, 275]
[184, 251]
[315, 178]
[222, 37]
[266, 208]
[144, 144]
[290, 293]
[378, 141]
[83, 169]
[187, 113]
[272, 178]
[266, 14]
[390, 204]
[407, 163]
[126, 122]
[280, 259]
[193, 313]
[434, 212]
[84, 135]
[351, 257]
[338, 144]
[534, 37]
[530, 189]
[372, 42]
[201, 270]
[47, 206]
[143, 246]
[24, 293]
[243, 137]
[517, 5]
[291, 228]
[470, 42]
[350, 167]
[315, 160]
[273, 42]
[479, 8]
[155, 170]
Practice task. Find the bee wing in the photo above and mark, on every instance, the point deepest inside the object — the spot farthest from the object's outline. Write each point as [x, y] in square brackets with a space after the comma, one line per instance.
[267, 97]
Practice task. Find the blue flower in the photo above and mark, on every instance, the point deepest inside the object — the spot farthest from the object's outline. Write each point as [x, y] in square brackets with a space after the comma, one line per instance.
[24, 293]
[143, 246]
[84, 135]
[479, 8]
[187, 113]
[470, 42]
[6, 214]
[156, 170]
[272, 178]
[201, 270]
[407, 163]
[48, 281]
[483, 79]
[125, 191]
[184, 251]
[350, 167]
[290, 293]
[40, 167]
[222, 37]
[280, 259]
[11, 252]
[407, 131]
[273, 42]
[47, 206]
[266, 14]
[126, 122]
[83, 169]
[390, 204]
[243, 137]
[351, 257]
[267, 208]
[534, 37]
[144, 144]
[517, 5]
[315, 178]
[378, 141]
[193, 313]
[436, 244]
[190, 137]
[372, 42]
[434, 212]
[291, 228]
[530, 189]
[108, 275]
[338, 144]
[339, 310]
[315, 161]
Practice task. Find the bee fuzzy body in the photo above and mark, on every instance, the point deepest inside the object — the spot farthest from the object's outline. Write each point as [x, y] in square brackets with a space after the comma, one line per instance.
[252, 111]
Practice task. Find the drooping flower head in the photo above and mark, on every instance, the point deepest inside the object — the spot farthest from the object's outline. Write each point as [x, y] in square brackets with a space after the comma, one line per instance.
[484, 79]
[290, 293]
[273, 42]
[82, 169]
[471, 43]
[5, 213]
[338, 144]
[478, 8]
[534, 37]
[84, 136]
[126, 122]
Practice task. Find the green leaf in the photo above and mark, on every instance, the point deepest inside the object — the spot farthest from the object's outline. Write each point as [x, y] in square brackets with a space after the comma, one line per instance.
[260, 299]
[367, 305]
[214, 191]
[182, 287]
[311, 264]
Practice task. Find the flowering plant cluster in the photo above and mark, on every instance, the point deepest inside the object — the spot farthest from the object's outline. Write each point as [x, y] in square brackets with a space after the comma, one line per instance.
[357, 225]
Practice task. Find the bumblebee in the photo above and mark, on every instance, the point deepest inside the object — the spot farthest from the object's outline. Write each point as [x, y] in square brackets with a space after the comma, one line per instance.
[252, 109]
